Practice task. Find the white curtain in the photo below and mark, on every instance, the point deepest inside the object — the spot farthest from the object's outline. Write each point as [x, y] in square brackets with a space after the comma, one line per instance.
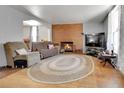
[34, 34]
[114, 30]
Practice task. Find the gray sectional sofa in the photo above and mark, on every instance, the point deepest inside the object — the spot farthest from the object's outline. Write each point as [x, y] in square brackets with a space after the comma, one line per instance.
[43, 49]
[39, 51]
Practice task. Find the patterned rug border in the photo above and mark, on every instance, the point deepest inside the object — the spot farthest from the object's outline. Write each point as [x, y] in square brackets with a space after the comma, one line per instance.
[38, 81]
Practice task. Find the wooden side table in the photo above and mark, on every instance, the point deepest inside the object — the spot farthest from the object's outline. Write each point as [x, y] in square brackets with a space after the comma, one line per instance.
[111, 58]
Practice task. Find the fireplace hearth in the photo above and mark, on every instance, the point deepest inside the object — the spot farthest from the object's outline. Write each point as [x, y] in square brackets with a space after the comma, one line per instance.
[67, 46]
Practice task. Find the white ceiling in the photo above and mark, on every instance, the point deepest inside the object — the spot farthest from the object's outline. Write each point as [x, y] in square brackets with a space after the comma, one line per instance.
[63, 14]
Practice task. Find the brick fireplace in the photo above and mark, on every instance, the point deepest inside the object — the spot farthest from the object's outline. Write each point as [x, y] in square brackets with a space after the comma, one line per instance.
[67, 46]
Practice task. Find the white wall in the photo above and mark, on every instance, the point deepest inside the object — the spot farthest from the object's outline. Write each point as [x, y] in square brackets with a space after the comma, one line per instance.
[121, 48]
[10, 28]
[44, 33]
[26, 31]
[90, 28]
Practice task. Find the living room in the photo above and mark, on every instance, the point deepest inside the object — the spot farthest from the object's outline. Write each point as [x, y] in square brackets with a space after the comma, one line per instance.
[63, 47]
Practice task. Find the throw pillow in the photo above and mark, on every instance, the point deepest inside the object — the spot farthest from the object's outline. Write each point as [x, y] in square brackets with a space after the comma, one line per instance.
[21, 51]
[50, 46]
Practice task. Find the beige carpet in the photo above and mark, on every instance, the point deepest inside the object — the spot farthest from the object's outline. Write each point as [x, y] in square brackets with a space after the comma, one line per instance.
[61, 69]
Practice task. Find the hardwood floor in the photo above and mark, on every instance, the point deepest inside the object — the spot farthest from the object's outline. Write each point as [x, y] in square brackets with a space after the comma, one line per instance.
[4, 72]
[104, 77]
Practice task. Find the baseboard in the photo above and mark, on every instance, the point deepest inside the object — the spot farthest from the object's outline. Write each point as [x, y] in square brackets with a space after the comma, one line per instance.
[9, 66]
[120, 70]
[2, 67]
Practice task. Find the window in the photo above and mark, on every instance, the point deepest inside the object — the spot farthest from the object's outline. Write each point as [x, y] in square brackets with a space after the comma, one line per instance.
[114, 29]
[34, 33]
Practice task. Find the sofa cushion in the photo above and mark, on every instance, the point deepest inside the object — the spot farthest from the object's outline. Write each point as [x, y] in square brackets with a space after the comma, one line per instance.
[49, 52]
[37, 46]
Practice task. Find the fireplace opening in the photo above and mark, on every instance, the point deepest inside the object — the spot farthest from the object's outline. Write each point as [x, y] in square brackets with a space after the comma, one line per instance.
[67, 46]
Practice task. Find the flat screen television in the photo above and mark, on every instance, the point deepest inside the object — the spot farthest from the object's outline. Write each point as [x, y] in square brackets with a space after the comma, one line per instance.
[95, 40]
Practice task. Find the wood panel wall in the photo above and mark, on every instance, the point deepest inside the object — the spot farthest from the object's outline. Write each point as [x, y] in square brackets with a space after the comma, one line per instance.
[68, 32]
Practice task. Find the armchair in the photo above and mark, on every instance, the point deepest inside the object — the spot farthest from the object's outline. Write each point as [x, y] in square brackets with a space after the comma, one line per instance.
[11, 56]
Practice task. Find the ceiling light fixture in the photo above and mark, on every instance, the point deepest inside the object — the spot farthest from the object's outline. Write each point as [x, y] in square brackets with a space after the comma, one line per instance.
[31, 23]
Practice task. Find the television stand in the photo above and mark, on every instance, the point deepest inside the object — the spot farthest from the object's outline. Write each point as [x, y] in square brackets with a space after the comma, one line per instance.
[93, 51]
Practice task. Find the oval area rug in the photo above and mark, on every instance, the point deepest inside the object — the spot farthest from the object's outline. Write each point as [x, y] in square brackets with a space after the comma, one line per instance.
[61, 69]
